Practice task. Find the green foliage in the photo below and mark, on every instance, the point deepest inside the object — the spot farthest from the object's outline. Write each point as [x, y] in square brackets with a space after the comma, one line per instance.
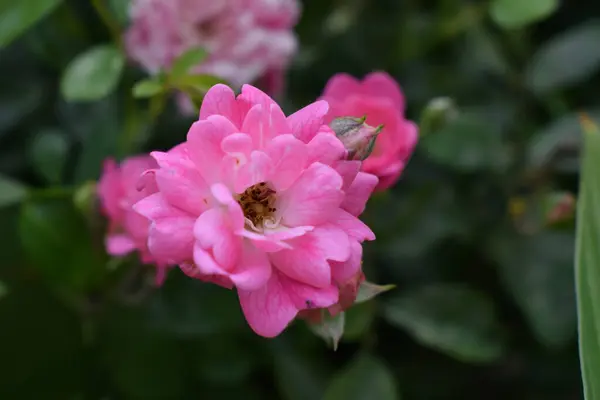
[18, 16]
[456, 320]
[512, 14]
[587, 261]
[11, 191]
[93, 74]
[186, 61]
[49, 155]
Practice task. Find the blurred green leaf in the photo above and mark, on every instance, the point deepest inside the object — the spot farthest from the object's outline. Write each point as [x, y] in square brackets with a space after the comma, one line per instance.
[368, 290]
[587, 261]
[143, 363]
[359, 319]
[18, 16]
[298, 377]
[11, 191]
[93, 74]
[180, 308]
[43, 342]
[511, 14]
[467, 143]
[49, 154]
[566, 59]
[120, 9]
[186, 61]
[452, 318]
[3, 289]
[18, 99]
[148, 88]
[436, 115]
[223, 359]
[331, 328]
[538, 272]
[58, 243]
[195, 84]
[366, 378]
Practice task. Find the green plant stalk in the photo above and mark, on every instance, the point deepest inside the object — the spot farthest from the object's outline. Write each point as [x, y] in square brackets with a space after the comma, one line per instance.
[108, 20]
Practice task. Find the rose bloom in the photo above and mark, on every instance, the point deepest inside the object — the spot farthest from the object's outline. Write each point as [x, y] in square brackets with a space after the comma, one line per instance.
[264, 203]
[245, 39]
[379, 98]
[118, 189]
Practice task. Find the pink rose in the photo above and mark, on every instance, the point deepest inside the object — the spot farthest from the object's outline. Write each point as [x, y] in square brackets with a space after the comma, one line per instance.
[118, 189]
[246, 39]
[262, 202]
[379, 98]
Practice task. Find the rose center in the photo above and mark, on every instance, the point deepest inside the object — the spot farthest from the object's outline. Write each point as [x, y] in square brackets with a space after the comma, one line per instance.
[258, 205]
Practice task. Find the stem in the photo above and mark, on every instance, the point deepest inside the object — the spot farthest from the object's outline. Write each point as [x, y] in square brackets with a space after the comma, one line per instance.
[108, 20]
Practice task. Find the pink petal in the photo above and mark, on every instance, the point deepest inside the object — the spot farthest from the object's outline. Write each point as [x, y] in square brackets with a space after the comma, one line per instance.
[359, 192]
[184, 188]
[383, 85]
[253, 96]
[289, 156]
[251, 273]
[343, 271]
[307, 261]
[239, 144]
[312, 198]
[340, 85]
[263, 124]
[353, 226]
[220, 100]
[306, 122]
[213, 231]
[348, 171]
[171, 240]
[191, 270]
[155, 207]
[204, 145]
[258, 169]
[119, 244]
[326, 148]
[268, 309]
[308, 297]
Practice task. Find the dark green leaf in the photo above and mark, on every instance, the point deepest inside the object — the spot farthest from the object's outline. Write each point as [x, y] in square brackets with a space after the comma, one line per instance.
[186, 61]
[452, 318]
[120, 9]
[359, 319]
[58, 243]
[538, 271]
[587, 262]
[512, 14]
[331, 329]
[49, 154]
[18, 16]
[148, 88]
[566, 59]
[194, 84]
[11, 191]
[93, 74]
[365, 378]
[438, 113]
[467, 143]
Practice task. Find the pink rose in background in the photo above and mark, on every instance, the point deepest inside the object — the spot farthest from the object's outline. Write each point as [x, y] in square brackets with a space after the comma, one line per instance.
[118, 189]
[264, 203]
[379, 97]
[246, 39]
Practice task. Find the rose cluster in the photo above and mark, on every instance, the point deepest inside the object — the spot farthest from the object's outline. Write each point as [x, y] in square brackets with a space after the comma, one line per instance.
[264, 203]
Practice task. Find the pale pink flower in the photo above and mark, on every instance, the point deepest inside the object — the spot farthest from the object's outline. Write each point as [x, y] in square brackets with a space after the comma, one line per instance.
[261, 202]
[379, 98]
[118, 189]
[246, 39]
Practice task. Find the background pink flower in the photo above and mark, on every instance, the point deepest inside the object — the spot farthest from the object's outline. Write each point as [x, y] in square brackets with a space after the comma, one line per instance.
[261, 202]
[246, 39]
[120, 187]
[379, 97]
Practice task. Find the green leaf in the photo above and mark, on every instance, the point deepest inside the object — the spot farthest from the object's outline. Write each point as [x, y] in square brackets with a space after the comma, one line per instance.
[587, 262]
[452, 318]
[93, 74]
[195, 84]
[18, 16]
[120, 9]
[58, 243]
[331, 329]
[186, 61]
[3, 289]
[566, 59]
[437, 114]
[538, 273]
[511, 14]
[49, 154]
[467, 143]
[11, 191]
[365, 378]
[359, 319]
[368, 290]
[148, 88]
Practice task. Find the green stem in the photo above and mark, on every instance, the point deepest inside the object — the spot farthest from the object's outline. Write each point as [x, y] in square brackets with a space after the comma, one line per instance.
[52, 192]
[108, 20]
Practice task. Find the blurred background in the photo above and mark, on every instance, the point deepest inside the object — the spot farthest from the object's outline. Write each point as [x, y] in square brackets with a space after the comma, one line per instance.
[478, 235]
